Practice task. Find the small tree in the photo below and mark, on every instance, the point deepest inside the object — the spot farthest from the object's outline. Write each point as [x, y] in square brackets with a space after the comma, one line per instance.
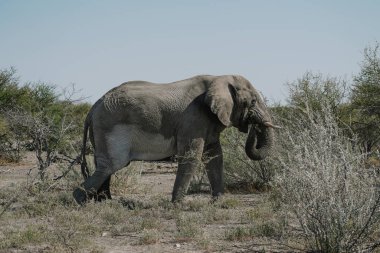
[50, 126]
[11, 95]
[311, 92]
[366, 99]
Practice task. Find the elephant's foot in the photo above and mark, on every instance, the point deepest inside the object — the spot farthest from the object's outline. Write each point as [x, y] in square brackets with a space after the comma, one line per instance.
[216, 197]
[81, 196]
[177, 197]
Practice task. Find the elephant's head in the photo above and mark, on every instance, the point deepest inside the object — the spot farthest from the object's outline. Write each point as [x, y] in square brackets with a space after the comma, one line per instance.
[236, 103]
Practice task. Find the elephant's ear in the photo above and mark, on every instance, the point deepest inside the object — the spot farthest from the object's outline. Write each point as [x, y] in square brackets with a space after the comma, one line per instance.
[219, 98]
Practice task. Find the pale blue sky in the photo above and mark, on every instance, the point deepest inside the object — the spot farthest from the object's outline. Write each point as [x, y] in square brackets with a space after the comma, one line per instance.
[100, 44]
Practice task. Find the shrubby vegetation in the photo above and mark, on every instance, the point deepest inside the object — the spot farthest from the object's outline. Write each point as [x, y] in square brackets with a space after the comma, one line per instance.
[36, 117]
[324, 182]
[365, 100]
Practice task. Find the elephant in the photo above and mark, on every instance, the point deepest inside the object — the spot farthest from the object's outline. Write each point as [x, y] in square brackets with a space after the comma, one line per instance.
[145, 121]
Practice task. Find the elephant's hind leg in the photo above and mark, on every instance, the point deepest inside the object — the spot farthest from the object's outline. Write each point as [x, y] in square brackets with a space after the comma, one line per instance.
[111, 154]
[104, 191]
[97, 185]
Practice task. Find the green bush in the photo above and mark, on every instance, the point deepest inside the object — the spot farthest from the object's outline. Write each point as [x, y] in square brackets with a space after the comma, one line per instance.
[365, 100]
[37, 117]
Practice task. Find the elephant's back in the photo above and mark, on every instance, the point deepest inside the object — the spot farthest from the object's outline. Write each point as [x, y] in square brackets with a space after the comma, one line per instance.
[140, 103]
[190, 87]
[140, 94]
[156, 105]
[174, 96]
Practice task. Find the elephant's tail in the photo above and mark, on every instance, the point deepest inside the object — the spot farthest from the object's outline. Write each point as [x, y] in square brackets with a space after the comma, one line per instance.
[84, 168]
[88, 129]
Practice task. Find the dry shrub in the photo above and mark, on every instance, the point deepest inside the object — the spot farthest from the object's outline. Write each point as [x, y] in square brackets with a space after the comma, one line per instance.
[149, 236]
[324, 182]
[240, 234]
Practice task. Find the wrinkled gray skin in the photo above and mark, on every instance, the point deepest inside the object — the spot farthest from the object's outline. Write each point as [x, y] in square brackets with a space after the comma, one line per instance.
[145, 121]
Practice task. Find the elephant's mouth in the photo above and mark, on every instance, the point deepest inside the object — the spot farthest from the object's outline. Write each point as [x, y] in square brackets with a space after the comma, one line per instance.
[249, 117]
[243, 127]
[244, 122]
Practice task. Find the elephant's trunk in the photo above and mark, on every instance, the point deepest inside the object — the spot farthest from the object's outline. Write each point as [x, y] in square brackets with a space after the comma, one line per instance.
[259, 142]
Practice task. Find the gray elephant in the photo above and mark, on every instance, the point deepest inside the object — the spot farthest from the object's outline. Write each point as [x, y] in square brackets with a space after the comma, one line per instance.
[145, 121]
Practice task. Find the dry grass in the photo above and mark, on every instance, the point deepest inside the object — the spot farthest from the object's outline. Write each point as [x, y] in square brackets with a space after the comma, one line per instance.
[60, 225]
[43, 217]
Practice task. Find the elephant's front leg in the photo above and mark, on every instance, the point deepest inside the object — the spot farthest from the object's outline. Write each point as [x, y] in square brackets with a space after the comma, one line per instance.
[189, 158]
[214, 166]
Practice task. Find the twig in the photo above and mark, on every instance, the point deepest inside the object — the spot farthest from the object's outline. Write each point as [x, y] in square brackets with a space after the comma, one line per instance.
[77, 160]
[370, 218]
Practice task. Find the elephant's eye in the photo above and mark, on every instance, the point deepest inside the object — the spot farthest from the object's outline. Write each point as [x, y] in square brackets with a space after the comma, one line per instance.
[253, 102]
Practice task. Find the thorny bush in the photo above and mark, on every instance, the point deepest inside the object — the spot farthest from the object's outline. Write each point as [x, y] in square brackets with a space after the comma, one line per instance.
[325, 183]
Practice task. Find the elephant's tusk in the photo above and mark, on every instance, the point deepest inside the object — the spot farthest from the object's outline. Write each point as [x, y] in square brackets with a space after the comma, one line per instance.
[268, 124]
